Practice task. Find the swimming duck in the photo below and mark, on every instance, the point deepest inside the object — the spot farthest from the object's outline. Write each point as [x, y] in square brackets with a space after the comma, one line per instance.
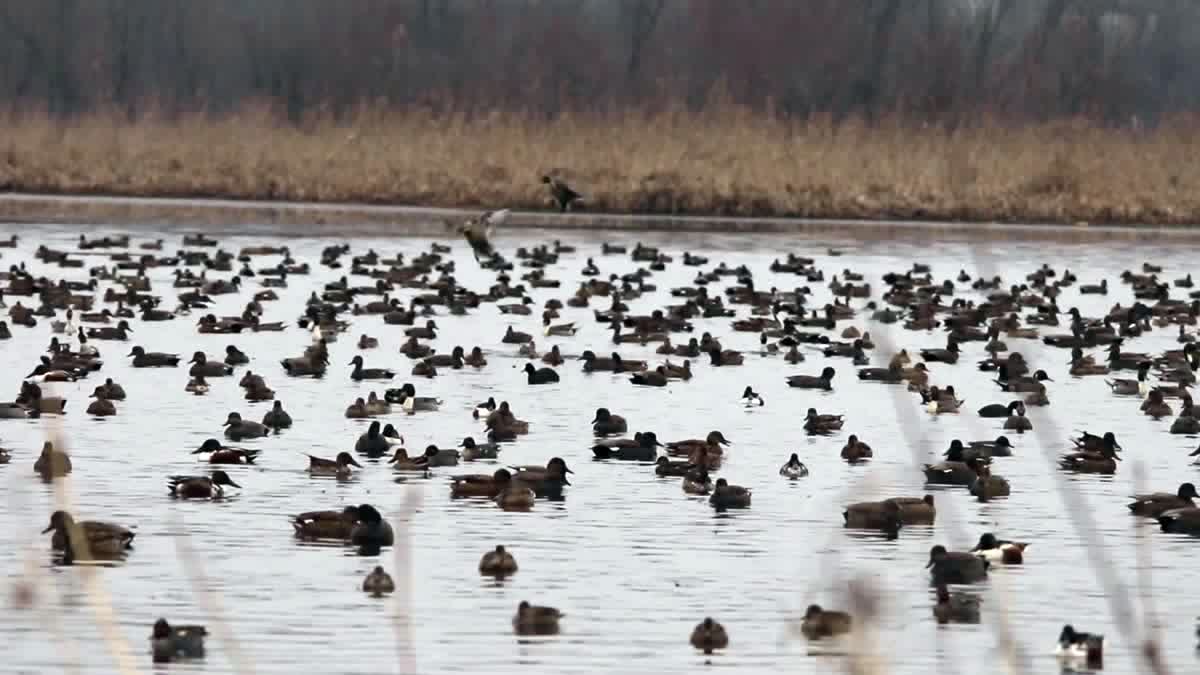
[1156, 503]
[400, 460]
[855, 450]
[821, 623]
[372, 443]
[986, 486]
[726, 496]
[643, 447]
[407, 397]
[513, 337]
[708, 636]
[727, 357]
[52, 462]
[1024, 384]
[664, 466]
[536, 620]
[540, 375]
[1000, 409]
[277, 418]
[480, 485]
[1018, 422]
[956, 567]
[200, 487]
[325, 524]
[1074, 646]
[947, 355]
[651, 378]
[357, 410]
[202, 366]
[751, 398]
[112, 391]
[319, 466]
[442, 456]
[562, 329]
[172, 643]
[197, 385]
[472, 451]
[1103, 461]
[1128, 387]
[546, 481]
[553, 357]
[711, 443]
[955, 607]
[822, 381]
[606, 424]
[498, 563]
[101, 538]
[220, 454]
[367, 342]
[101, 407]
[515, 497]
[237, 429]
[359, 373]
[999, 551]
[378, 583]
[793, 468]
[822, 424]
[371, 529]
[955, 470]
[145, 359]
[697, 482]
[484, 409]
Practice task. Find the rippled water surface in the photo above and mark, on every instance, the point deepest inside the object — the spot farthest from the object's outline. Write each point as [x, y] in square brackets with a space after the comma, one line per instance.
[632, 561]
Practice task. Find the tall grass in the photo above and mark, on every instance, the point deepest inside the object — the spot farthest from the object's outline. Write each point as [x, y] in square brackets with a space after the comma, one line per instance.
[726, 161]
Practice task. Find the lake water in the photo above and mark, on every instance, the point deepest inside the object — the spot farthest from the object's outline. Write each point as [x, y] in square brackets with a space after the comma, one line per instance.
[632, 561]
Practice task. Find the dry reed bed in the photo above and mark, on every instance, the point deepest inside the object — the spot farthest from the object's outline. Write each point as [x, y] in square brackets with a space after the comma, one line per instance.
[726, 162]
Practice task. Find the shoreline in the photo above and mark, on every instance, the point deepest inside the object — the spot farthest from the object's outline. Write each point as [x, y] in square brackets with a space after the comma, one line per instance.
[351, 219]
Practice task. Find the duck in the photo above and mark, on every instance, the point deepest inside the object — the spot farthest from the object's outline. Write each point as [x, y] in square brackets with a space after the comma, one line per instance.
[480, 485]
[200, 487]
[563, 196]
[472, 451]
[711, 443]
[822, 623]
[709, 636]
[498, 563]
[513, 337]
[546, 482]
[536, 620]
[607, 424]
[793, 468]
[52, 462]
[1154, 405]
[197, 385]
[237, 429]
[664, 466]
[145, 359]
[325, 524]
[955, 470]
[442, 456]
[220, 454]
[515, 497]
[884, 516]
[1000, 551]
[537, 375]
[357, 410]
[367, 342]
[1181, 521]
[1132, 387]
[1103, 461]
[101, 407]
[986, 486]
[994, 410]
[956, 567]
[484, 409]
[202, 366]
[370, 529]
[1074, 646]
[651, 378]
[112, 391]
[372, 443]
[400, 460]
[822, 381]
[726, 496]
[752, 399]
[955, 607]
[697, 482]
[822, 424]
[359, 373]
[855, 450]
[378, 583]
[1018, 422]
[340, 466]
[277, 418]
[1155, 503]
[561, 330]
[102, 538]
[643, 447]
[176, 642]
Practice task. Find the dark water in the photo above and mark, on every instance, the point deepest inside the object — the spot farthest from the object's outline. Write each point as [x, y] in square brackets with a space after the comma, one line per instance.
[632, 561]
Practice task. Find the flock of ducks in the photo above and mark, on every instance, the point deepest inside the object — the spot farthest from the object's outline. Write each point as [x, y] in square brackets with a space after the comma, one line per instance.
[784, 325]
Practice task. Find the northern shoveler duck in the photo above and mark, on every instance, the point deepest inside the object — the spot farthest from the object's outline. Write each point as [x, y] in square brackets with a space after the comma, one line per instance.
[708, 636]
[220, 454]
[332, 467]
[498, 563]
[999, 551]
[200, 487]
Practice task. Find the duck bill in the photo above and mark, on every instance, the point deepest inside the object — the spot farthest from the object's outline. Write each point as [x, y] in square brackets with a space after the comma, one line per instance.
[234, 484]
[929, 564]
[49, 528]
[354, 463]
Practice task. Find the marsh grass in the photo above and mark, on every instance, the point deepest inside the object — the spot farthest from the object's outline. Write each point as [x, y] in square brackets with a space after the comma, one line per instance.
[724, 161]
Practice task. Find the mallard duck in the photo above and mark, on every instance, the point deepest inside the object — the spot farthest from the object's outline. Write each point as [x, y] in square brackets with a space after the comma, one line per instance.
[325, 524]
[1074, 646]
[956, 567]
[480, 485]
[378, 583]
[855, 450]
[999, 551]
[708, 636]
[52, 462]
[220, 454]
[319, 466]
[1103, 461]
[200, 487]
[793, 468]
[822, 424]
[172, 643]
[1155, 503]
[359, 373]
[955, 607]
[102, 538]
[822, 381]
[955, 470]
[237, 429]
[643, 447]
[726, 496]
[822, 623]
[498, 563]
[536, 620]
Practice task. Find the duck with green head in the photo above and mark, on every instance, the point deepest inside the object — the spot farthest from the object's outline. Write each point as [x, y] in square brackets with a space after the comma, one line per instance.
[200, 487]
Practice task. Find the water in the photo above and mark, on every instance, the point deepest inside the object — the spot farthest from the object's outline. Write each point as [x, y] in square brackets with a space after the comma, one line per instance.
[632, 561]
